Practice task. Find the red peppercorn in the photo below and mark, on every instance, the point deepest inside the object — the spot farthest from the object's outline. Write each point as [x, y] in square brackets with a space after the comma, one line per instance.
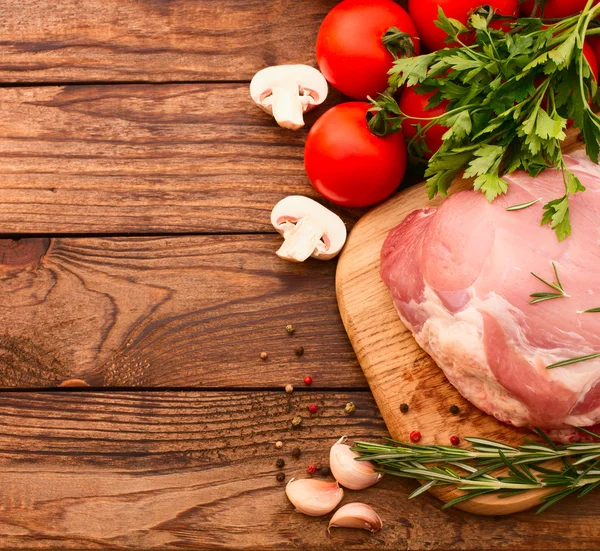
[454, 440]
[311, 469]
[415, 436]
[308, 380]
[313, 408]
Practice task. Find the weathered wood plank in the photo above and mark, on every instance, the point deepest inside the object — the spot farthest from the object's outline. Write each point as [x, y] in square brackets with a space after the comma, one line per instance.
[191, 470]
[144, 159]
[191, 311]
[154, 40]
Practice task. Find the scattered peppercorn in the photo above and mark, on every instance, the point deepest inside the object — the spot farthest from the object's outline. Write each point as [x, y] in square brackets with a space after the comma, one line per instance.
[296, 452]
[263, 355]
[280, 463]
[454, 410]
[279, 444]
[415, 436]
[454, 440]
[311, 469]
[403, 408]
[308, 380]
[325, 471]
[280, 477]
[350, 407]
[313, 408]
[290, 329]
[296, 422]
[289, 389]
[299, 351]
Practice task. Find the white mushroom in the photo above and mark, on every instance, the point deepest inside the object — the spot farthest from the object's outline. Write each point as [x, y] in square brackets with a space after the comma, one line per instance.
[288, 91]
[308, 229]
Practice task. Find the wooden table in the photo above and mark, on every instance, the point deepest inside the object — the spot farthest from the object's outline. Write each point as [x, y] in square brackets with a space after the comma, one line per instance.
[137, 179]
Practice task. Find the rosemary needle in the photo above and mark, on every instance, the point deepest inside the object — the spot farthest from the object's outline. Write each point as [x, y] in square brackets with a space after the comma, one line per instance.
[570, 361]
[556, 286]
[471, 470]
[523, 205]
[591, 310]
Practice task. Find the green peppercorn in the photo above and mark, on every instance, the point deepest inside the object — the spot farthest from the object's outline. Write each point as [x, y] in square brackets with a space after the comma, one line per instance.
[454, 410]
[296, 422]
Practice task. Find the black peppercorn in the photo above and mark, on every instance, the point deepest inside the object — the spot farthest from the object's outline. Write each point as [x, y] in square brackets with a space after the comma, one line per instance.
[403, 408]
[299, 351]
[280, 477]
[296, 452]
[454, 410]
[325, 471]
[280, 463]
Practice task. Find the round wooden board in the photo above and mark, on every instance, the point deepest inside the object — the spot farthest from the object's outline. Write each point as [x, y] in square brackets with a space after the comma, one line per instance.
[397, 369]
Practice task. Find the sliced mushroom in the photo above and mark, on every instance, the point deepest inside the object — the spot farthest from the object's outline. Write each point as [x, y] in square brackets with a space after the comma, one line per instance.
[288, 91]
[308, 229]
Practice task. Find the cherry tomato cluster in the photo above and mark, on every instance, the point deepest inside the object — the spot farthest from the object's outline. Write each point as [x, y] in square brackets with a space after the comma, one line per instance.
[356, 47]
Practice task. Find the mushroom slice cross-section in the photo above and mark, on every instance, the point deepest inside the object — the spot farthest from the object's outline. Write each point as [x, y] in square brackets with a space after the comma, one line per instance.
[308, 229]
[288, 91]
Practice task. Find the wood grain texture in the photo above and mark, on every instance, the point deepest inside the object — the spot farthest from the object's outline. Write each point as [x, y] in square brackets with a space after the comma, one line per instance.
[168, 311]
[144, 159]
[189, 470]
[154, 40]
[397, 369]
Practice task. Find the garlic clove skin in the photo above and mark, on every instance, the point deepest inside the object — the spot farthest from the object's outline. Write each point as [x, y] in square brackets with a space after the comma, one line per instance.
[352, 474]
[356, 515]
[314, 497]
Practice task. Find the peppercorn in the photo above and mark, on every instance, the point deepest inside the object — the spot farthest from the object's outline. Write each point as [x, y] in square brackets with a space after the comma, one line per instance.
[289, 389]
[325, 471]
[263, 355]
[454, 410]
[299, 351]
[280, 463]
[454, 440]
[313, 408]
[296, 452]
[296, 422]
[290, 329]
[308, 380]
[403, 408]
[311, 469]
[280, 477]
[415, 436]
[350, 407]
[279, 444]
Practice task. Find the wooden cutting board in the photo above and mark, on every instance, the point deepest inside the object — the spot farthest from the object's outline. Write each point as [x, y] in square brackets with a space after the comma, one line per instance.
[397, 369]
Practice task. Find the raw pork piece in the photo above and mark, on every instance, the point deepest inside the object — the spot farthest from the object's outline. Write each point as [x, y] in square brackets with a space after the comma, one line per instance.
[460, 277]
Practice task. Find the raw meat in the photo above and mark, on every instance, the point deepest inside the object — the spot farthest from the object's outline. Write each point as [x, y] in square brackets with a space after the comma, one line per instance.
[460, 277]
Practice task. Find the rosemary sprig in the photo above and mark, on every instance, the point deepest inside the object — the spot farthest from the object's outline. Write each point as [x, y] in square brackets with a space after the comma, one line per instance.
[591, 310]
[576, 360]
[471, 470]
[523, 205]
[556, 286]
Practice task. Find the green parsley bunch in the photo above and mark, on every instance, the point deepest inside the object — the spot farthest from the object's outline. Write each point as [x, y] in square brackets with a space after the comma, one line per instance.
[511, 94]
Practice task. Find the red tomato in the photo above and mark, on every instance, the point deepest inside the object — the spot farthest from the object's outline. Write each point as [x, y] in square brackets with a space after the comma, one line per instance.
[414, 104]
[349, 50]
[348, 164]
[425, 12]
[555, 9]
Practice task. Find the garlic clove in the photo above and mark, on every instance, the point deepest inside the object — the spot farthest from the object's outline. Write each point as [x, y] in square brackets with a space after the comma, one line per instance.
[314, 497]
[356, 515]
[352, 474]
